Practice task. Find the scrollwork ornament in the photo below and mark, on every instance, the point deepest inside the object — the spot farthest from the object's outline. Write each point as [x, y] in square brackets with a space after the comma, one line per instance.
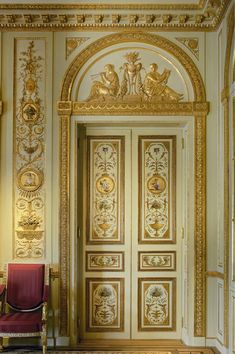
[29, 149]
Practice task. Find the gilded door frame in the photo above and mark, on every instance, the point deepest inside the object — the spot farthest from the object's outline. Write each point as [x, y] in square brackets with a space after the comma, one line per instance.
[199, 108]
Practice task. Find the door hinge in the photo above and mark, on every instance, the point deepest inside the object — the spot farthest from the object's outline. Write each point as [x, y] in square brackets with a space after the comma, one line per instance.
[182, 232]
[78, 323]
[78, 232]
[182, 142]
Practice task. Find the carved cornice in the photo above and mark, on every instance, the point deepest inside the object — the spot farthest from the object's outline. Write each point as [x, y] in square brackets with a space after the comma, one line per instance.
[205, 16]
[87, 6]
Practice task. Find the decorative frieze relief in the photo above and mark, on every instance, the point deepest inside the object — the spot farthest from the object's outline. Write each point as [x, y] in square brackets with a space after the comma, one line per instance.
[29, 146]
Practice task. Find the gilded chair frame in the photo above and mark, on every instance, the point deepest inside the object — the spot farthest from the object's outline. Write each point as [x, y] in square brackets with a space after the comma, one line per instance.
[5, 307]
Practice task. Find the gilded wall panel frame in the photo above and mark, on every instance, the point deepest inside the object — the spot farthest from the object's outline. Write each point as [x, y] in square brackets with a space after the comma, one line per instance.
[105, 293]
[225, 100]
[199, 109]
[157, 304]
[99, 261]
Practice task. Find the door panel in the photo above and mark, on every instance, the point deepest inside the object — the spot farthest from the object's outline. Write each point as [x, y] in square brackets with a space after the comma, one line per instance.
[106, 247]
[156, 264]
[130, 276]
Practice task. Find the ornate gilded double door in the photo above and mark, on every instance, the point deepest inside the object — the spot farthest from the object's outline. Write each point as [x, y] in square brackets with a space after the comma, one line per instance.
[130, 264]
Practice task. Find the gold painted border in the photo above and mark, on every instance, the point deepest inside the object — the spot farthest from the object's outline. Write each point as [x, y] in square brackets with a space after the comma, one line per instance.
[225, 100]
[215, 274]
[122, 258]
[121, 302]
[171, 172]
[196, 109]
[173, 314]
[121, 208]
[162, 269]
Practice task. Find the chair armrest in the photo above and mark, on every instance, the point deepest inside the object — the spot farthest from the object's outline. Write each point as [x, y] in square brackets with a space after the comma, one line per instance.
[2, 299]
[44, 312]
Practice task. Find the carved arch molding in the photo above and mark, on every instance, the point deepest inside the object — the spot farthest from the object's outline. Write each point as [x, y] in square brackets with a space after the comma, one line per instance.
[198, 108]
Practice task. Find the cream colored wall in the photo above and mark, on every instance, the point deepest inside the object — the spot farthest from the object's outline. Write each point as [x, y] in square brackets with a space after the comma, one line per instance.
[216, 323]
[210, 63]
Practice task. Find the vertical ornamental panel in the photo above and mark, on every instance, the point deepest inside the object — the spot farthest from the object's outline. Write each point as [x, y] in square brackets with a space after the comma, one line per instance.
[105, 190]
[157, 189]
[29, 148]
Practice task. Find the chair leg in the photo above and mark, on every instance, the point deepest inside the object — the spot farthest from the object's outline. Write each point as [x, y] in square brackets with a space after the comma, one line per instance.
[44, 342]
[1, 344]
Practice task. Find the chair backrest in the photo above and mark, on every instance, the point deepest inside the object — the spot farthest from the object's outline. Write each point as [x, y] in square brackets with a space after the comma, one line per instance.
[25, 286]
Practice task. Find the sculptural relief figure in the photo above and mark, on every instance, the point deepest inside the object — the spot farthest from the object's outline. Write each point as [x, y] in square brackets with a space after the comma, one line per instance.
[131, 82]
[107, 87]
[155, 86]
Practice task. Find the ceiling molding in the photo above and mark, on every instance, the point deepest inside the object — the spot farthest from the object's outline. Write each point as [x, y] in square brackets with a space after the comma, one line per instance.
[104, 6]
[167, 17]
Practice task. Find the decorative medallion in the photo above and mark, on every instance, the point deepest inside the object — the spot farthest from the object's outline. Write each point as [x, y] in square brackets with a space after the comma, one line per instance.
[29, 181]
[191, 43]
[157, 307]
[105, 189]
[156, 184]
[73, 43]
[157, 189]
[105, 184]
[101, 261]
[30, 112]
[105, 304]
[29, 140]
[157, 261]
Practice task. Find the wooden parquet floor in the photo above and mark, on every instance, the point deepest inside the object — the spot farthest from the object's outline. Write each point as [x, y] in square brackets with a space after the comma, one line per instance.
[120, 347]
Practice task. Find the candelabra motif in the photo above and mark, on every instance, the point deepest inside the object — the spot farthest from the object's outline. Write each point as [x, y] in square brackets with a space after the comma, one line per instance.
[29, 150]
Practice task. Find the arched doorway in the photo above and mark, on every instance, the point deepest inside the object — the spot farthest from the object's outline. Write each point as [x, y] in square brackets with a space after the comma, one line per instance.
[195, 105]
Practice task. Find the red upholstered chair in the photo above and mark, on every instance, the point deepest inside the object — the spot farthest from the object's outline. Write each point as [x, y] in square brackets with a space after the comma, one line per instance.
[24, 302]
